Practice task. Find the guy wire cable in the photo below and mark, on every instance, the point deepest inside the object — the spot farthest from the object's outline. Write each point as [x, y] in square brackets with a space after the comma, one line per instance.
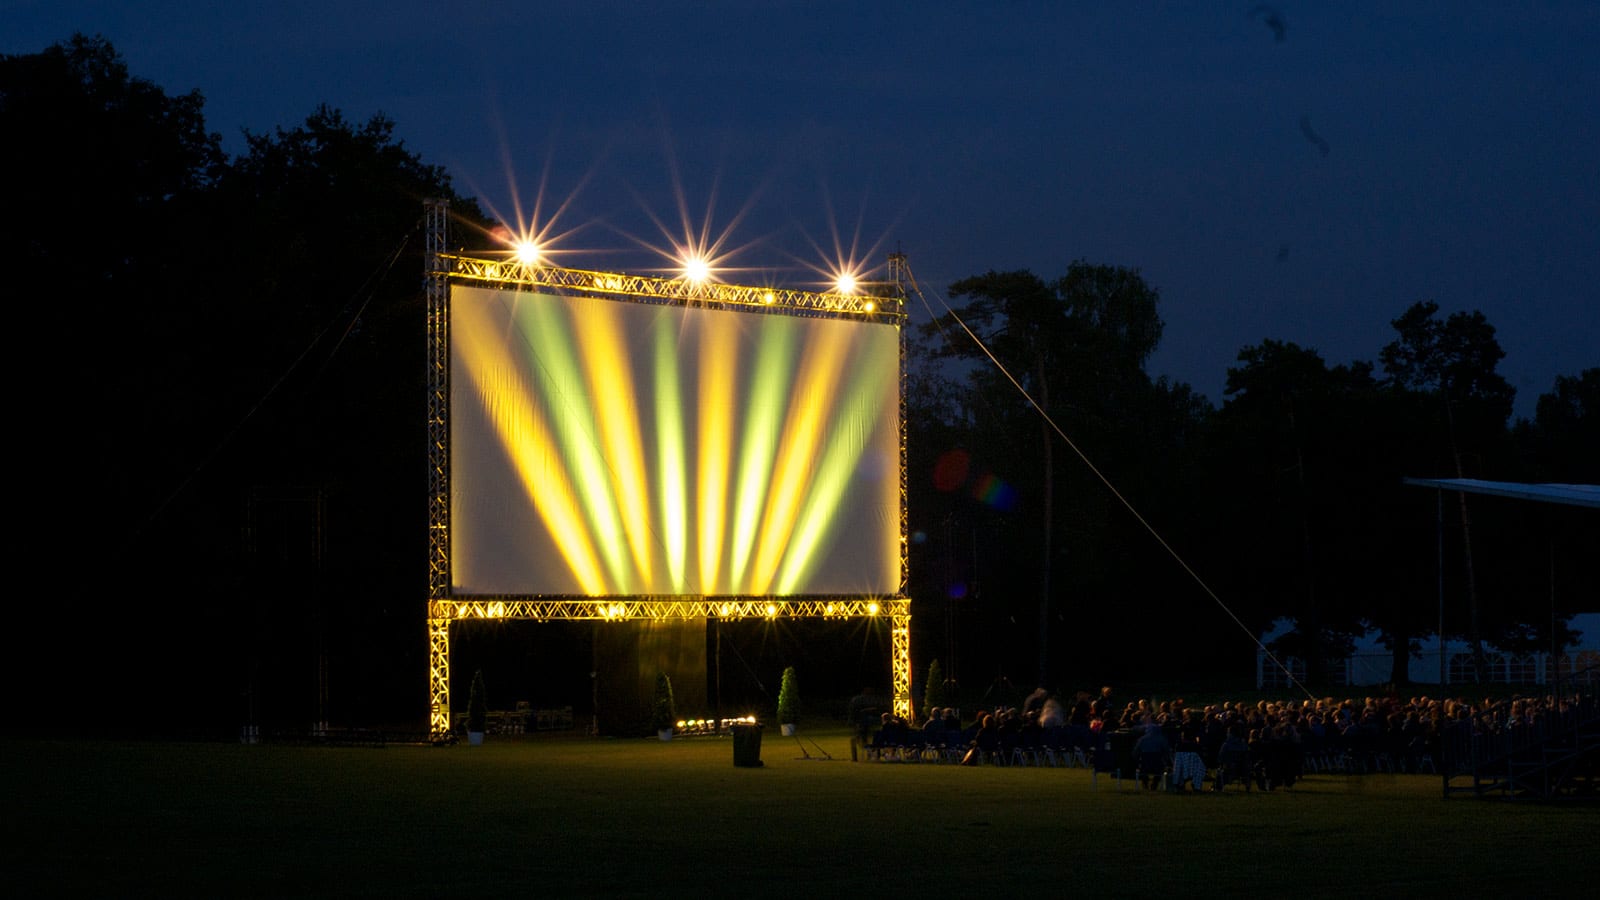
[1103, 479]
[273, 389]
[912, 278]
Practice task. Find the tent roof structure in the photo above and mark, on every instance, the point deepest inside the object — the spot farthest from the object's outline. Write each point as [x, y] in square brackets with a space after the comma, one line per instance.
[1568, 494]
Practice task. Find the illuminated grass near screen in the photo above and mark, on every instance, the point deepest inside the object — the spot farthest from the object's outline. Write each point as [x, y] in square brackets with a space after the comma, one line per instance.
[604, 447]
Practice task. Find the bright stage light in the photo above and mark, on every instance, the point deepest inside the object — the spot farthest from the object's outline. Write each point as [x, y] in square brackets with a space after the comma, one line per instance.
[527, 252]
[696, 269]
[845, 283]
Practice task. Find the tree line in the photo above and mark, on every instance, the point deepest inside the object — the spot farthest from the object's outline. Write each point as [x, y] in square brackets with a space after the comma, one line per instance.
[1158, 534]
[225, 436]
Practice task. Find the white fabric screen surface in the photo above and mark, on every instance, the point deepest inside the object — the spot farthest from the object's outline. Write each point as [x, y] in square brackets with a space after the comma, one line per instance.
[614, 448]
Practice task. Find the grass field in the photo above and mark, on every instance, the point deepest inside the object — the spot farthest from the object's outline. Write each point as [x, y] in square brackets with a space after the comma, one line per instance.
[583, 817]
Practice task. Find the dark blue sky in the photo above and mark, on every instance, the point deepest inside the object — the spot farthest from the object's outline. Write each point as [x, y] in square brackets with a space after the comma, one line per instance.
[1295, 171]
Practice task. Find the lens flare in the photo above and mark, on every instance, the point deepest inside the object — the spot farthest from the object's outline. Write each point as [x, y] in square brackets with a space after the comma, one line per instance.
[696, 269]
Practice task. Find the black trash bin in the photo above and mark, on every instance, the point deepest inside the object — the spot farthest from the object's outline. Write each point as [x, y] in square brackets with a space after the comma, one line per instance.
[747, 746]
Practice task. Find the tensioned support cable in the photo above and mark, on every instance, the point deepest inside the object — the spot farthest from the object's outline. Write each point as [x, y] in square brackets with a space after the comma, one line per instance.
[1104, 480]
[365, 294]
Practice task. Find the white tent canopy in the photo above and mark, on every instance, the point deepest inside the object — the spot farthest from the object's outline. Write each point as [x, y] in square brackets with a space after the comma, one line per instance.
[1370, 662]
[1437, 660]
[1569, 494]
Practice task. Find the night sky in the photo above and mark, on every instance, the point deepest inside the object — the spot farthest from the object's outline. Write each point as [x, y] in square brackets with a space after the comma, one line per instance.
[1295, 171]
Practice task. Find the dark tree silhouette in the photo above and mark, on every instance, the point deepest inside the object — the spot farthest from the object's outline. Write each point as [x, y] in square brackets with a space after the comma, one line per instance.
[1452, 361]
[1073, 349]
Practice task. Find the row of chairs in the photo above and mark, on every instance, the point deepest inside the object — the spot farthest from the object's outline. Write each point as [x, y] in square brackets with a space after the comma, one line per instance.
[918, 747]
[1348, 762]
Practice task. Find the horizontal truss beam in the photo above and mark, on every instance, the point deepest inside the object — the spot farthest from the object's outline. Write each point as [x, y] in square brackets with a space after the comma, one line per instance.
[622, 609]
[872, 308]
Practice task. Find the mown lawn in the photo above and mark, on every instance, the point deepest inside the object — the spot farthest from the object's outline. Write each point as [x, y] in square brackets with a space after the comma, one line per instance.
[581, 817]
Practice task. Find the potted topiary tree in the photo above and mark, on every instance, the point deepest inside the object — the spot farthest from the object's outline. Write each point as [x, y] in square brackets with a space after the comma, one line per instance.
[663, 711]
[477, 710]
[933, 695]
[788, 702]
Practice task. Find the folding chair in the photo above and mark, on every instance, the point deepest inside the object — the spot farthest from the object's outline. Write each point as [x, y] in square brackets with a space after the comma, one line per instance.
[1152, 768]
[1105, 760]
[1233, 767]
[1028, 750]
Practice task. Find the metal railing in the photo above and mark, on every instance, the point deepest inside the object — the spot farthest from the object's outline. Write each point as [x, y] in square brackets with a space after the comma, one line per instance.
[1489, 747]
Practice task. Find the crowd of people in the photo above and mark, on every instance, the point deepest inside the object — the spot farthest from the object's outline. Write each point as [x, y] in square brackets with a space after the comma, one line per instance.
[1272, 743]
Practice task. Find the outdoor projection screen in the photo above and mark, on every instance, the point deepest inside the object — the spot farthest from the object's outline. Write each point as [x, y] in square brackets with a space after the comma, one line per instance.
[606, 447]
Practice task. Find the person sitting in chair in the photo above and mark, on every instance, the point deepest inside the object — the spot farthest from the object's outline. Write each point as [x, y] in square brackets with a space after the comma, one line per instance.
[863, 714]
[1188, 767]
[892, 738]
[1233, 761]
[1150, 754]
[985, 743]
[952, 724]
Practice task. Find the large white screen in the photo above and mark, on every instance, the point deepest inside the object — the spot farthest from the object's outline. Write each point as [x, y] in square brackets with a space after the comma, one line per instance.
[602, 447]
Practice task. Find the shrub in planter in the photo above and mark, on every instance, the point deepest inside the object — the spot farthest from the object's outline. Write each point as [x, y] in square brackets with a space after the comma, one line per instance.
[477, 708]
[788, 701]
[663, 711]
[934, 695]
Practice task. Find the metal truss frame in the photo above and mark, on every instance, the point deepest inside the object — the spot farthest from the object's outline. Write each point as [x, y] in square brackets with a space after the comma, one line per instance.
[509, 272]
[614, 609]
[445, 608]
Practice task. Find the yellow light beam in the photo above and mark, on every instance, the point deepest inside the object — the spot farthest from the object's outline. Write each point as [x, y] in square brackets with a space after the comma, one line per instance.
[525, 435]
[609, 372]
[764, 408]
[851, 433]
[672, 471]
[816, 382]
[571, 403]
[718, 369]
